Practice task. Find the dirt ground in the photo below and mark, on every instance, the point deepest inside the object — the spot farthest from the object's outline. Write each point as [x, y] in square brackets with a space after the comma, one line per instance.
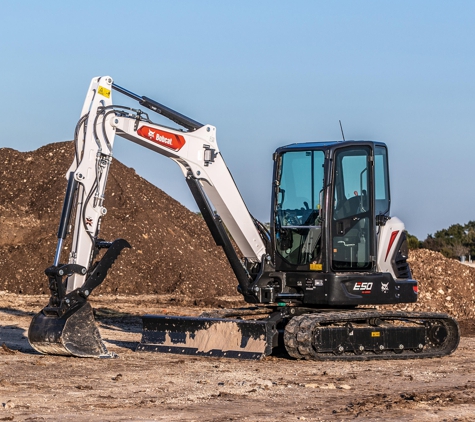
[142, 386]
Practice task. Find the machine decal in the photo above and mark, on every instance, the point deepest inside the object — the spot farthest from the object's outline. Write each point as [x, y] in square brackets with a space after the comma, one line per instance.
[391, 241]
[316, 267]
[104, 91]
[385, 287]
[375, 334]
[364, 288]
[162, 138]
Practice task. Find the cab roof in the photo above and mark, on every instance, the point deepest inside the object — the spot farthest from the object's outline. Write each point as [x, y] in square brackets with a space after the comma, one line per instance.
[325, 145]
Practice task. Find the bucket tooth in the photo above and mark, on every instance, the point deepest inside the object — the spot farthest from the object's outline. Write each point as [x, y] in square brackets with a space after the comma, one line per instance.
[233, 338]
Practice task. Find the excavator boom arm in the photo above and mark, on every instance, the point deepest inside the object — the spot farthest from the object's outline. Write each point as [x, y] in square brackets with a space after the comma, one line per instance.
[194, 150]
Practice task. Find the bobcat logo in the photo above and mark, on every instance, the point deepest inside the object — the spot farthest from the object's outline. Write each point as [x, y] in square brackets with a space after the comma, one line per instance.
[385, 287]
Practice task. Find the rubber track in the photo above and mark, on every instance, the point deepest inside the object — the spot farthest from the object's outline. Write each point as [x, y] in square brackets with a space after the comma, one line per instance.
[299, 333]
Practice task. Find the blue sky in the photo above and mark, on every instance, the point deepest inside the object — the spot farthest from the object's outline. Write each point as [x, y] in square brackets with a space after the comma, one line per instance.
[266, 74]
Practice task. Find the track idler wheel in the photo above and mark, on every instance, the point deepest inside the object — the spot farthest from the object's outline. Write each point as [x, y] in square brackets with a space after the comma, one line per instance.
[438, 334]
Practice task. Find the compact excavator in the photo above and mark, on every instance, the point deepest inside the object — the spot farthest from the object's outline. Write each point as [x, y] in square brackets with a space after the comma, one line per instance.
[312, 280]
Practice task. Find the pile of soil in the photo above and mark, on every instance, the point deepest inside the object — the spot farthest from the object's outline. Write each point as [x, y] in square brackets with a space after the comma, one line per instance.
[445, 285]
[172, 249]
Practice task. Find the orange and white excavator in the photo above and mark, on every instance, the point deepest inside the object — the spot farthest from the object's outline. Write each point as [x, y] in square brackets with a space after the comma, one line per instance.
[332, 251]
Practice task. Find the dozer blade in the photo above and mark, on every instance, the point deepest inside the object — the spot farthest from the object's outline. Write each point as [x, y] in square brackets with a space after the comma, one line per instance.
[199, 336]
[72, 334]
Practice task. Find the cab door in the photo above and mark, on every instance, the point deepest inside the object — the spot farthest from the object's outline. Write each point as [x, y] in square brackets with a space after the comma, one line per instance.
[352, 233]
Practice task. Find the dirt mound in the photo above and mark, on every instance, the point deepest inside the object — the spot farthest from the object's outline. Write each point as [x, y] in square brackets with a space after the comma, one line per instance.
[445, 285]
[172, 249]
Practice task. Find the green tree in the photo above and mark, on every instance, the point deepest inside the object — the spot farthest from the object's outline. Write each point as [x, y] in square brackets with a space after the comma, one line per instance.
[413, 242]
[458, 240]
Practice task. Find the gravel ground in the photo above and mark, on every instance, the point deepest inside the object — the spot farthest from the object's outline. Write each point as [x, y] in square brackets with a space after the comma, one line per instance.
[157, 387]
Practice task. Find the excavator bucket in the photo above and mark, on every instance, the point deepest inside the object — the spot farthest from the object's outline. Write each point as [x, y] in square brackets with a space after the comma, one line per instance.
[201, 336]
[72, 334]
[66, 326]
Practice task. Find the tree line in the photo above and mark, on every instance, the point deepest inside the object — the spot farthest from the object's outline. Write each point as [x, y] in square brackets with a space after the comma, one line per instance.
[456, 241]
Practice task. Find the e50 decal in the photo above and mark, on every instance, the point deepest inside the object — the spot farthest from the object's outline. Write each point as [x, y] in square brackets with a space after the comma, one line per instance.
[364, 288]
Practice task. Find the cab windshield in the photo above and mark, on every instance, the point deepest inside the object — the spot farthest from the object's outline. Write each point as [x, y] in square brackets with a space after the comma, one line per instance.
[299, 197]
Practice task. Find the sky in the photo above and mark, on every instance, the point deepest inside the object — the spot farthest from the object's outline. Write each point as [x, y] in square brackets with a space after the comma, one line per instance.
[266, 74]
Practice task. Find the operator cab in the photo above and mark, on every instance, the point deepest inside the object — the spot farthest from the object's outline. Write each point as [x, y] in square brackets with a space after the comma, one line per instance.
[345, 184]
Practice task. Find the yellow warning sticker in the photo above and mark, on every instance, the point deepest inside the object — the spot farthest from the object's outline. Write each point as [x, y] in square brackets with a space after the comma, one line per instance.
[104, 91]
[375, 334]
[316, 267]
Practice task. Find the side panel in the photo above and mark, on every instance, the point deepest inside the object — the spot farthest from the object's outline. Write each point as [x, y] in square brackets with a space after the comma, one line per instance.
[351, 289]
[392, 249]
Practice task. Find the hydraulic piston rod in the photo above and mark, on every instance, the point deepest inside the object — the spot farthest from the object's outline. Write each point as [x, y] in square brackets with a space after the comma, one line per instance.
[165, 111]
